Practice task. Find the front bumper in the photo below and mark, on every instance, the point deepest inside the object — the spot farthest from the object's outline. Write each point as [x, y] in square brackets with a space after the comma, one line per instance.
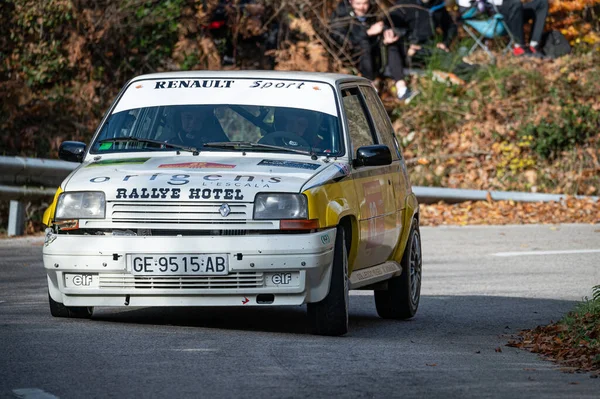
[253, 263]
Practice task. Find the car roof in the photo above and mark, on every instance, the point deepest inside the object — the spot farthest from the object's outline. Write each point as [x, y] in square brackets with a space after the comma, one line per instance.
[332, 78]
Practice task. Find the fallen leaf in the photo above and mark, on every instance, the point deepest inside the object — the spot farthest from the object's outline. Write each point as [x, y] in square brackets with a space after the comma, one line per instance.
[502, 213]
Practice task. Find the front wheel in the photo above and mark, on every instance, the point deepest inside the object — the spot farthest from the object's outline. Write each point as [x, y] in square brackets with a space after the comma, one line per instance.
[57, 309]
[401, 298]
[330, 316]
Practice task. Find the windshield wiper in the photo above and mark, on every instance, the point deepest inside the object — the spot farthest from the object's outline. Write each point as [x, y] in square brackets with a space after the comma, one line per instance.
[162, 143]
[241, 144]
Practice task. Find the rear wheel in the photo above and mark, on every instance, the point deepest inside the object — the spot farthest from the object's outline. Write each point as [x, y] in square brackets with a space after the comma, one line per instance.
[330, 316]
[57, 309]
[401, 299]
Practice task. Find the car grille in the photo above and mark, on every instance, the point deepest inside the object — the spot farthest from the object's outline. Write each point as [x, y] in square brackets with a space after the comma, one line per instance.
[230, 281]
[180, 212]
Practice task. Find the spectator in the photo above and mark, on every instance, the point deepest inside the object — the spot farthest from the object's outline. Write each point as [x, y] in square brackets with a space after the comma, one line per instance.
[516, 15]
[355, 22]
[420, 19]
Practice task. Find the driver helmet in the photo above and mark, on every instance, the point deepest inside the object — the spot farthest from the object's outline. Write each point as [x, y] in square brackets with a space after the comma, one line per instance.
[295, 120]
[189, 121]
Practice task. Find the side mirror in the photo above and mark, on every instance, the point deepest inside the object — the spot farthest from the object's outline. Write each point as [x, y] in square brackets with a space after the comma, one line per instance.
[373, 155]
[72, 151]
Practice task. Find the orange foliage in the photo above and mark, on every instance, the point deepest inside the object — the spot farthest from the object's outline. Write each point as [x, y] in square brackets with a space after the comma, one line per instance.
[575, 19]
[557, 6]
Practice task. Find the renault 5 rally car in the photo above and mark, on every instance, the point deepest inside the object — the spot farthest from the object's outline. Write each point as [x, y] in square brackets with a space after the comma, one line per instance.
[237, 189]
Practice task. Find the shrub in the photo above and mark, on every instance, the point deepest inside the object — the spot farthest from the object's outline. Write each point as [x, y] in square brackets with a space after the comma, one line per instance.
[573, 126]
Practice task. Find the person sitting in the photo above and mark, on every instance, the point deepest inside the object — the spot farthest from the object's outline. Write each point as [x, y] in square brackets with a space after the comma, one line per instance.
[196, 125]
[516, 14]
[355, 22]
[294, 127]
[421, 19]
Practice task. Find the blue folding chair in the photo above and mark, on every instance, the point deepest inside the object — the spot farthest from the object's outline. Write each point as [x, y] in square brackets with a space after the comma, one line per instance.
[490, 28]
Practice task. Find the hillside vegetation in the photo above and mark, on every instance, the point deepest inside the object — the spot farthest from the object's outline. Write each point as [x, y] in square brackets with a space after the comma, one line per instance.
[526, 125]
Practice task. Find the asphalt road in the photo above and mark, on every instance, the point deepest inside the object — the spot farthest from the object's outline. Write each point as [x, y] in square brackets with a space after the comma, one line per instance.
[481, 284]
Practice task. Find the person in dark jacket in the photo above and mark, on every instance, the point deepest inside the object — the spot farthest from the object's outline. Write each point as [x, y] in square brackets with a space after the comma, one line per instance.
[420, 19]
[358, 25]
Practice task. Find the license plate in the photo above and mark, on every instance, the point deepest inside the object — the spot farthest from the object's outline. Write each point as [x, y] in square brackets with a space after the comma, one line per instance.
[178, 264]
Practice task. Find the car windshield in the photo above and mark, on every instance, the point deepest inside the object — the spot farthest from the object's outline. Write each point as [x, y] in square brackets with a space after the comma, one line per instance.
[265, 116]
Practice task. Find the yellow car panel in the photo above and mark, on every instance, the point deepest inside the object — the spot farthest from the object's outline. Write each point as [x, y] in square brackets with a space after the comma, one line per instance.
[48, 217]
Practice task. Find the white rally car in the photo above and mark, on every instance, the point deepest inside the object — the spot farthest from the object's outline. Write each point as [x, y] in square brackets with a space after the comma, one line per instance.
[237, 189]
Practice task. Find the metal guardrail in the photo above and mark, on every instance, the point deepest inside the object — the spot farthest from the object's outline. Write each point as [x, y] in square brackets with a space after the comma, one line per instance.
[19, 171]
[429, 195]
[15, 193]
[22, 178]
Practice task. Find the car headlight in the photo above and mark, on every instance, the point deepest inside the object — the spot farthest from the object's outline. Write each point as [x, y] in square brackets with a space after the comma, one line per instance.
[280, 206]
[81, 205]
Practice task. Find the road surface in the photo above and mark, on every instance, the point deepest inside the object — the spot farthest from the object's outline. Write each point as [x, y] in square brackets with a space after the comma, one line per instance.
[480, 286]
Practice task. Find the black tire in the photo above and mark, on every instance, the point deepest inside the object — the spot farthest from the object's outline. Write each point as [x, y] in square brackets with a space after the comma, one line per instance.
[57, 309]
[330, 316]
[401, 299]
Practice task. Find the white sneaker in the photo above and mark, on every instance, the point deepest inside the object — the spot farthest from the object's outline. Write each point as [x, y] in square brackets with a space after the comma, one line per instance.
[408, 95]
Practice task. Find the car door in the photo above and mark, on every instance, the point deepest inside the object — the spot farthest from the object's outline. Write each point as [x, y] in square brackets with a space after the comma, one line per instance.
[373, 186]
[385, 133]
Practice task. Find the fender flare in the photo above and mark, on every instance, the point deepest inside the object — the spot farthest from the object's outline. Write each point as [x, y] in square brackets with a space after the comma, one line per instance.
[411, 211]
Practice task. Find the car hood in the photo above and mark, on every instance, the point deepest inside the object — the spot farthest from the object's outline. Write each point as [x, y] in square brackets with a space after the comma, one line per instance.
[192, 178]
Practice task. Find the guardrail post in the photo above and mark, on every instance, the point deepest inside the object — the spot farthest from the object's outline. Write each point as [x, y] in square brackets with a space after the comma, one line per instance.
[16, 219]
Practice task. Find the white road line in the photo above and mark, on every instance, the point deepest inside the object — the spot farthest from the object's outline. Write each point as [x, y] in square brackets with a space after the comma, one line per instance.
[32, 393]
[533, 253]
[196, 350]
[361, 292]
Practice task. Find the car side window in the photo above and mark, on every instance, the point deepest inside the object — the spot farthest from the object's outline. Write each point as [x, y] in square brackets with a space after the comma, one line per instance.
[361, 132]
[382, 122]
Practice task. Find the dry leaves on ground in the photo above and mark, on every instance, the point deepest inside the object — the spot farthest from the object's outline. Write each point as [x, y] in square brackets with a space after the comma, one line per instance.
[570, 210]
[560, 344]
